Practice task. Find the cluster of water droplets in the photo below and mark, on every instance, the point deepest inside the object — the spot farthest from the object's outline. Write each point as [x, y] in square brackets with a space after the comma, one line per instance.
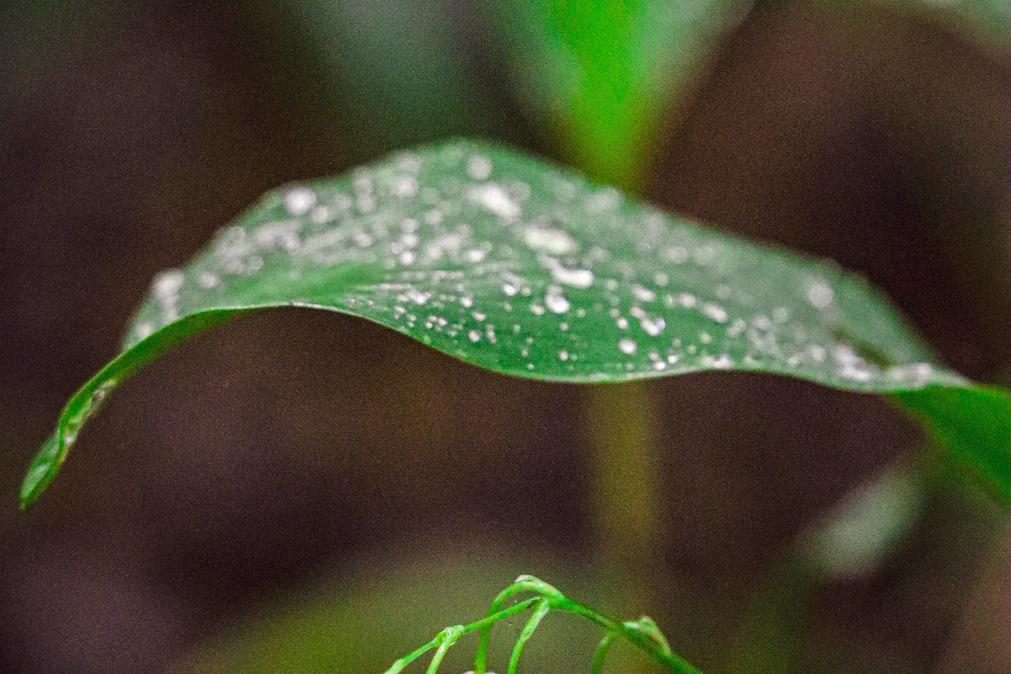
[516, 265]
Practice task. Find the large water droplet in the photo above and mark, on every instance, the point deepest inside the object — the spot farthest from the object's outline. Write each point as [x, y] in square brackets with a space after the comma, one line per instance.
[549, 240]
[298, 200]
[495, 199]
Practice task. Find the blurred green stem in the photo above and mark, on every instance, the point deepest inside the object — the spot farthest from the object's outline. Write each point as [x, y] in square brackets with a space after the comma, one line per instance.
[627, 488]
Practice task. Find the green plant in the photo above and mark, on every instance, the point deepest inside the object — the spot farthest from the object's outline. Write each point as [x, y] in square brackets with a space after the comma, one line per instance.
[643, 633]
[528, 269]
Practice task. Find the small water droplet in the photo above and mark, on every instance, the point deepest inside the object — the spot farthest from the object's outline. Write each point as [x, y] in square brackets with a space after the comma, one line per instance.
[208, 280]
[166, 284]
[652, 326]
[556, 301]
[715, 312]
[820, 294]
[405, 186]
[417, 296]
[627, 346]
[643, 294]
[721, 362]
[577, 278]
[479, 167]
[298, 200]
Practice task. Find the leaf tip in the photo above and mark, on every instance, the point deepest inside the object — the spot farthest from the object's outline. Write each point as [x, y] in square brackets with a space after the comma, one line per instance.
[40, 473]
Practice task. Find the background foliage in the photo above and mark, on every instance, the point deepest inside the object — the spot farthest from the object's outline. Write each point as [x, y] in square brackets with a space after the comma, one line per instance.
[872, 136]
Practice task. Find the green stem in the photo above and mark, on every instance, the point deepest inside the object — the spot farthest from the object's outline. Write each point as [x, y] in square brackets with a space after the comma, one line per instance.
[543, 607]
[627, 490]
[450, 636]
[482, 624]
[642, 633]
[597, 666]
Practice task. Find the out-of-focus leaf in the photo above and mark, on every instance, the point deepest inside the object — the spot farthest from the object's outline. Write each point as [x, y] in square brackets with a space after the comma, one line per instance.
[525, 268]
[602, 71]
[397, 70]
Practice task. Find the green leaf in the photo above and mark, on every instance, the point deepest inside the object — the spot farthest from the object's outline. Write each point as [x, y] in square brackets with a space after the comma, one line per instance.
[524, 268]
[393, 70]
[602, 71]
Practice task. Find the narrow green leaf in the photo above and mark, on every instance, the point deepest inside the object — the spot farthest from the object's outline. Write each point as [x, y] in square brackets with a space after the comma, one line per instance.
[602, 71]
[524, 268]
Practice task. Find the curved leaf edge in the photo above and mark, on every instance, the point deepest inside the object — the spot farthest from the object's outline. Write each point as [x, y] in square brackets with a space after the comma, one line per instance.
[948, 406]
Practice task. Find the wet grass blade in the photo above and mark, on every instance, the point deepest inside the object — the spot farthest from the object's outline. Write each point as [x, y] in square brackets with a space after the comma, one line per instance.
[525, 268]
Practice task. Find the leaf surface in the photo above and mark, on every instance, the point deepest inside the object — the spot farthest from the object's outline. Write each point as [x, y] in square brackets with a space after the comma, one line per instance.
[519, 266]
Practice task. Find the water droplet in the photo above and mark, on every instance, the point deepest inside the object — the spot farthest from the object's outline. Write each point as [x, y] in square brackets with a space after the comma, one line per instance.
[479, 167]
[643, 294]
[496, 200]
[549, 240]
[556, 301]
[720, 362]
[417, 296]
[687, 300]
[715, 312]
[298, 200]
[577, 278]
[166, 284]
[652, 326]
[627, 346]
[563, 355]
[820, 294]
[405, 186]
[208, 280]
[474, 336]
[913, 373]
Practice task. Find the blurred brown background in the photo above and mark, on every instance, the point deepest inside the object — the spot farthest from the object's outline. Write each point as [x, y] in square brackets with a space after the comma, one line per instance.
[297, 455]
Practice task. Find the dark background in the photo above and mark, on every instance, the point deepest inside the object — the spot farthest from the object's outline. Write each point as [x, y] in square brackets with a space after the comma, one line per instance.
[293, 456]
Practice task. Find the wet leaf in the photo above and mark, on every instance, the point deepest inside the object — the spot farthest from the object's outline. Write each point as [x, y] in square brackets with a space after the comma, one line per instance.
[525, 268]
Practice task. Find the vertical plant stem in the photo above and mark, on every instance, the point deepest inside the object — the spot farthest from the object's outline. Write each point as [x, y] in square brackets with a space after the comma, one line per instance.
[626, 489]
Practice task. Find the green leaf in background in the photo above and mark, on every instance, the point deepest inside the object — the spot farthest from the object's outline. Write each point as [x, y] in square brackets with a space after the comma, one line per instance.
[602, 71]
[396, 71]
[524, 268]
